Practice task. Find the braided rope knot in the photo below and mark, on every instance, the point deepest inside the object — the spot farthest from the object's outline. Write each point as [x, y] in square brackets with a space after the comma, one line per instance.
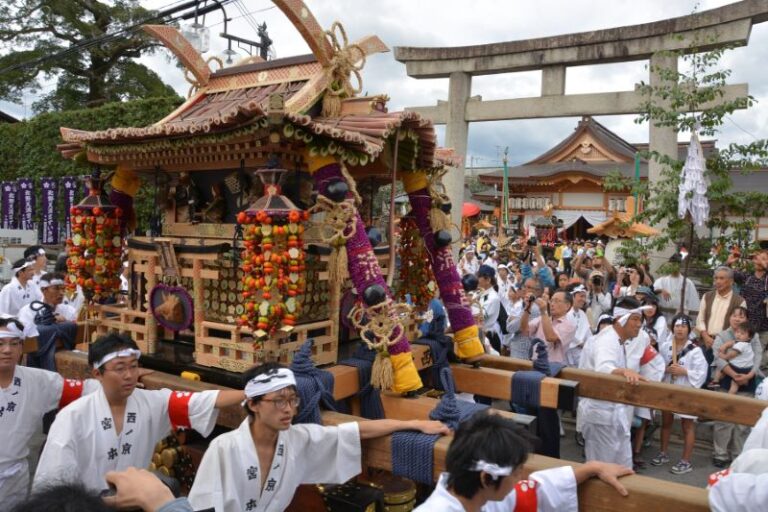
[338, 224]
[380, 325]
[346, 61]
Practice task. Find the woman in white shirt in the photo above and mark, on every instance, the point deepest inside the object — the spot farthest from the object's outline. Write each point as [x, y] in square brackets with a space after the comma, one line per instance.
[491, 304]
[689, 370]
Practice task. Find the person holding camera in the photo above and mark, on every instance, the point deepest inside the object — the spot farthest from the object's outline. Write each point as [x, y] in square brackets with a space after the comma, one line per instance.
[554, 325]
[543, 271]
[599, 301]
[50, 321]
[628, 281]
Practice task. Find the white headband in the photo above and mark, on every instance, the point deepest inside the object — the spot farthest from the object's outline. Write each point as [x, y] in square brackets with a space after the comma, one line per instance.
[622, 314]
[579, 289]
[26, 264]
[126, 352]
[11, 331]
[273, 380]
[683, 321]
[492, 469]
[52, 282]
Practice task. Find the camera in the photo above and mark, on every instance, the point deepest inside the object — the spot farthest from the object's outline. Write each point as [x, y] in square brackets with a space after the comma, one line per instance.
[531, 299]
[532, 242]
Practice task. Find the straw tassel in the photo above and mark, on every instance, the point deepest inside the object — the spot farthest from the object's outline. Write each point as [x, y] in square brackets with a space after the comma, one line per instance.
[338, 264]
[439, 220]
[382, 373]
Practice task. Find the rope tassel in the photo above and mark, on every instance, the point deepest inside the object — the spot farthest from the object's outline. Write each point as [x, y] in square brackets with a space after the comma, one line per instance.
[439, 220]
[382, 373]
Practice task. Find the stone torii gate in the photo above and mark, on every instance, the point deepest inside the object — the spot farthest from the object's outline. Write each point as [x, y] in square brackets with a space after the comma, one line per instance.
[729, 25]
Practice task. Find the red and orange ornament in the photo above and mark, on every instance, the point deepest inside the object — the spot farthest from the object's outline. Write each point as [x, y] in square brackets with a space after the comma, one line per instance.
[95, 245]
[272, 260]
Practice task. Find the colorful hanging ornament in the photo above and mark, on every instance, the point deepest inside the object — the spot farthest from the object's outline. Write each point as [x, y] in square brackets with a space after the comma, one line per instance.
[416, 277]
[95, 246]
[272, 259]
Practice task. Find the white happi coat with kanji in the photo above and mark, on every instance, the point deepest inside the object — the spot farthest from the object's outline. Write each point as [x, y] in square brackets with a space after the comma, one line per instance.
[551, 490]
[32, 393]
[229, 477]
[83, 445]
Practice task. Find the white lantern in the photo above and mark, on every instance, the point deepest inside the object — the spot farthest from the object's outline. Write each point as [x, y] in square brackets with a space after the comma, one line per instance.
[198, 36]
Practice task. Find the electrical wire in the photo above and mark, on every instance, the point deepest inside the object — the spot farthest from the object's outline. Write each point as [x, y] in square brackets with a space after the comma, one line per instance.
[78, 48]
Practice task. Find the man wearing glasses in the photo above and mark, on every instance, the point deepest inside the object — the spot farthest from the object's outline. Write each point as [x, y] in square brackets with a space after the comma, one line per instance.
[260, 465]
[119, 426]
[26, 394]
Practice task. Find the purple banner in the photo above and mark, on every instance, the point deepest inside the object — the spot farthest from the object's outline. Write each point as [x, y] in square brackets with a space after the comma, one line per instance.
[26, 198]
[49, 212]
[70, 195]
[9, 205]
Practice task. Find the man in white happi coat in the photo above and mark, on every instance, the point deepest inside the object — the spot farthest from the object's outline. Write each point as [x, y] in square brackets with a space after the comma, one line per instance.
[36, 254]
[50, 321]
[20, 290]
[744, 486]
[606, 425]
[579, 317]
[26, 394]
[484, 469]
[259, 466]
[118, 426]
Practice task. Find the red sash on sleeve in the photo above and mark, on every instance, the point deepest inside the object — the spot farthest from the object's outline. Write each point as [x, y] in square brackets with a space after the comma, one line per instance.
[526, 499]
[648, 355]
[716, 477]
[71, 390]
[178, 409]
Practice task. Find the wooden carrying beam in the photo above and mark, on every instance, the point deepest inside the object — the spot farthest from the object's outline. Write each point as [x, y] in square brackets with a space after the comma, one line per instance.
[397, 407]
[644, 493]
[555, 393]
[665, 397]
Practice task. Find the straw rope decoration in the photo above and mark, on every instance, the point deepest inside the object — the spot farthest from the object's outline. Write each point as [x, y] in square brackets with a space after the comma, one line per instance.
[380, 327]
[337, 226]
[438, 218]
[347, 61]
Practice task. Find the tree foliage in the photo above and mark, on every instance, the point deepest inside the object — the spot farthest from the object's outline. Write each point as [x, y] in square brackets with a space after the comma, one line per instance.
[28, 148]
[689, 100]
[85, 76]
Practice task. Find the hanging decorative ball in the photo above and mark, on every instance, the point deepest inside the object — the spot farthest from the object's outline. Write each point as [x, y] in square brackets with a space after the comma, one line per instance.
[443, 238]
[374, 294]
[469, 282]
[446, 207]
[374, 236]
[337, 190]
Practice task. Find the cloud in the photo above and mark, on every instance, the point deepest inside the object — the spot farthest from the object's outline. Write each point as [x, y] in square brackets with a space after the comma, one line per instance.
[459, 22]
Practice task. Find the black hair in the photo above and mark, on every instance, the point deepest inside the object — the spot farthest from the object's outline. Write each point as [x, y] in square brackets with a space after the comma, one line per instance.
[742, 309]
[107, 344]
[32, 250]
[557, 277]
[255, 371]
[61, 262]
[488, 437]
[50, 276]
[627, 302]
[656, 315]
[17, 265]
[746, 326]
[64, 497]
[4, 321]
[637, 269]
[685, 318]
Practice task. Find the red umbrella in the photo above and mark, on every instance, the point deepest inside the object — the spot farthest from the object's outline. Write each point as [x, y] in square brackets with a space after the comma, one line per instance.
[469, 210]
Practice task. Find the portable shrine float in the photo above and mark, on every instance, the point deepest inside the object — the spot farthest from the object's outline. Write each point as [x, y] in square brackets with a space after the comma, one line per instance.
[248, 262]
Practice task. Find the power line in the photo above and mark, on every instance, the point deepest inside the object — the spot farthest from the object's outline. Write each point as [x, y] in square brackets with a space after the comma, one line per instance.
[159, 16]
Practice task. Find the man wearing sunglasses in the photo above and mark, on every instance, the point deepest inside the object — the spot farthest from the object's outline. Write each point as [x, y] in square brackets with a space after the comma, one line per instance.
[260, 465]
[26, 394]
[119, 426]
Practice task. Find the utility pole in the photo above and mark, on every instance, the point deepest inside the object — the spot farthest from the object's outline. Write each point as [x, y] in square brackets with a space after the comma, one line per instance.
[505, 193]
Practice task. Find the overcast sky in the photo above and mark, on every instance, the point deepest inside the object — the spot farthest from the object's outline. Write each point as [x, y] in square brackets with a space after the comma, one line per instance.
[464, 22]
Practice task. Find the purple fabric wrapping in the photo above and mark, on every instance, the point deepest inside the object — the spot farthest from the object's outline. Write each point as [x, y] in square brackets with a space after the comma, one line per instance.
[70, 196]
[364, 272]
[49, 211]
[26, 198]
[9, 205]
[125, 203]
[446, 274]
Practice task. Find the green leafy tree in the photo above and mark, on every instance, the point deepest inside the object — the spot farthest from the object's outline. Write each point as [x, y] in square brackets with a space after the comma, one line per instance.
[693, 99]
[90, 75]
